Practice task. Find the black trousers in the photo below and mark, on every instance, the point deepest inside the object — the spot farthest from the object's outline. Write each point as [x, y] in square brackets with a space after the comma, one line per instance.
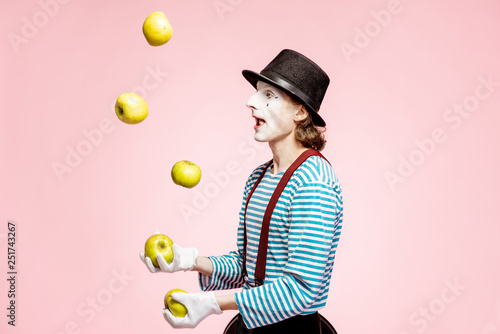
[299, 324]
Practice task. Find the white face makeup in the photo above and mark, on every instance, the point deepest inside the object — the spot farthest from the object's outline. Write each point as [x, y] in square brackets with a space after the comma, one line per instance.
[273, 113]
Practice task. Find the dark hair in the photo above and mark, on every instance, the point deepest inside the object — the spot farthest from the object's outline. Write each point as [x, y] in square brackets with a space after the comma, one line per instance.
[309, 135]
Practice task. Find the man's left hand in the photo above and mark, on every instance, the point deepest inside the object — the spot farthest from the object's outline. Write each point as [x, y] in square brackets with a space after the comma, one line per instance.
[199, 306]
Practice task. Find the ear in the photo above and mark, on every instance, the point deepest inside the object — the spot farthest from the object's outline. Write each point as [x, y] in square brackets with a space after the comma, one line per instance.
[300, 114]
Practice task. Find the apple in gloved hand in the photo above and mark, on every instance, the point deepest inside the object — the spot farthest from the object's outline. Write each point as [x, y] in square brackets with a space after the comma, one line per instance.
[186, 173]
[159, 244]
[176, 308]
[131, 108]
[157, 29]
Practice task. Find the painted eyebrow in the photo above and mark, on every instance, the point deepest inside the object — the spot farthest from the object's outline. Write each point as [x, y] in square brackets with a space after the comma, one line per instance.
[268, 90]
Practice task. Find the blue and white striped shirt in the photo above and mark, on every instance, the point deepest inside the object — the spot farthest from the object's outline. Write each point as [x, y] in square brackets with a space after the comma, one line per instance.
[303, 236]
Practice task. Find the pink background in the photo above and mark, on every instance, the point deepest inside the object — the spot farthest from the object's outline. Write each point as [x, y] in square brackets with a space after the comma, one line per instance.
[402, 247]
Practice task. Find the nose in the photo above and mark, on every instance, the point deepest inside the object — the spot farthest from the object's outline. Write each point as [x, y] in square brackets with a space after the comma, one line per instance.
[252, 101]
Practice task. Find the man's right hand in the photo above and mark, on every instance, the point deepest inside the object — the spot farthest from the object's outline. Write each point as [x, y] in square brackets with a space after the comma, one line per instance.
[184, 260]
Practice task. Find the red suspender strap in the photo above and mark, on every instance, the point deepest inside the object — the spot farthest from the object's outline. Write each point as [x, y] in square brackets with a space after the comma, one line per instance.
[244, 271]
[260, 268]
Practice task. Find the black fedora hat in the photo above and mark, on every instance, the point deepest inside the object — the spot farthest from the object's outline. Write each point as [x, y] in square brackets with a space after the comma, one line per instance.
[298, 76]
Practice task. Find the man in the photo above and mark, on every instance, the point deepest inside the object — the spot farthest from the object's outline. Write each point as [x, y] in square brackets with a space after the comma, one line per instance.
[305, 224]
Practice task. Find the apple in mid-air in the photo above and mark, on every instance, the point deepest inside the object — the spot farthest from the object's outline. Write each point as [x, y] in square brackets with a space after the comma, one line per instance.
[157, 29]
[176, 308]
[186, 173]
[131, 108]
[159, 244]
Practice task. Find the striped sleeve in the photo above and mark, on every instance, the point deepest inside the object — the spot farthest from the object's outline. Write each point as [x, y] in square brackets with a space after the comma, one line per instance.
[316, 222]
[226, 273]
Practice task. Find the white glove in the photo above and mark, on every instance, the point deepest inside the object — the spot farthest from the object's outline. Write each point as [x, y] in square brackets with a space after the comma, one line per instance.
[199, 306]
[184, 259]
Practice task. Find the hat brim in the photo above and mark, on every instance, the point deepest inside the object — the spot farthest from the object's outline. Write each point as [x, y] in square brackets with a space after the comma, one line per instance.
[252, 77]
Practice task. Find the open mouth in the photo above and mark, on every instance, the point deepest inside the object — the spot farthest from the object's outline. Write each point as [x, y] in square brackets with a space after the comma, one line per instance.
[258, 122]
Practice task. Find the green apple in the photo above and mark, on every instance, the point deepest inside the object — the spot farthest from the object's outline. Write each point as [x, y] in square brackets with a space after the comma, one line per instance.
[176, 308]
[186, 173]
[159, 244]
[157, 29]
[131, 108]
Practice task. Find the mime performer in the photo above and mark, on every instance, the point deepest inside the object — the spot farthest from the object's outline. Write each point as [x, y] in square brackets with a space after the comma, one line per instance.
[305, 224]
